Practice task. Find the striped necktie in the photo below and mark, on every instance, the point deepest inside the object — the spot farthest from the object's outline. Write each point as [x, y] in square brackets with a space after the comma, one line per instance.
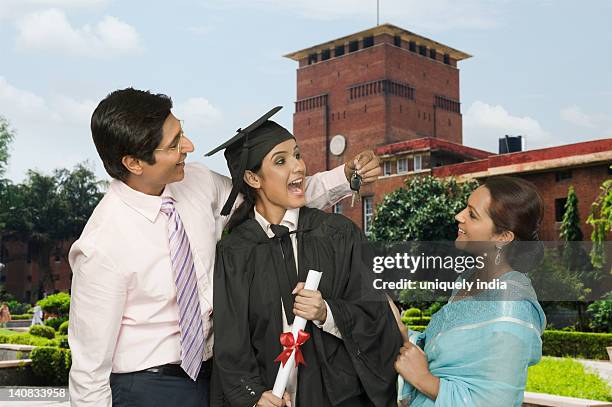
[190, 317]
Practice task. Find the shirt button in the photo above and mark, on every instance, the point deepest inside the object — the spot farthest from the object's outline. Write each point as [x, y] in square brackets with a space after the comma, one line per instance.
[252, 393]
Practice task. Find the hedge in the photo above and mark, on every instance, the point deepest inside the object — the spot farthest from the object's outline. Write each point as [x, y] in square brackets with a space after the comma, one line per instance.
[63, 328]
[27, 339]
[416, 320]
[51, 365]
[21, 317]
[585, 345]
[56, 322]
[58, 304]
[42, 330]
[412, 312]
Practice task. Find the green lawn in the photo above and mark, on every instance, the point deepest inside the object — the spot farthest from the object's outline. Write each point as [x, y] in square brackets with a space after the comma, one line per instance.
[4, 331]
[566, 377]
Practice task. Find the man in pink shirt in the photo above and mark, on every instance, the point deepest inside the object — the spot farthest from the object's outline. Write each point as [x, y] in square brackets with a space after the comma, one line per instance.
[153, 234]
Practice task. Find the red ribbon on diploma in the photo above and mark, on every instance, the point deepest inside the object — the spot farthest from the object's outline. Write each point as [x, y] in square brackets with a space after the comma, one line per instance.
[286, 339]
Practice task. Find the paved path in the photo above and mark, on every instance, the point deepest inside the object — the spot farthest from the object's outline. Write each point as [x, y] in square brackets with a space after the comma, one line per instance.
[602, 368]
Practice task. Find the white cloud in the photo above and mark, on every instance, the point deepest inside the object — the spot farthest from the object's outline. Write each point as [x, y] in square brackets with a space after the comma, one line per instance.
[484, 124]
[197, 112]
[51, 131]
[575, 116]
[50, 30]
[435, 15]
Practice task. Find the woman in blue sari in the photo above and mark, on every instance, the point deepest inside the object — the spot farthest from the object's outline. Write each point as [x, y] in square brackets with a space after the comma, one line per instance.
[477, 348]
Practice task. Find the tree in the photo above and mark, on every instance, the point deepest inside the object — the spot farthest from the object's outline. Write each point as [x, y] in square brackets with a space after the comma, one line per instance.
[47, 209]
[425, 210]
[7, 135]
[600, 219]
[574, 256]
[570, 226]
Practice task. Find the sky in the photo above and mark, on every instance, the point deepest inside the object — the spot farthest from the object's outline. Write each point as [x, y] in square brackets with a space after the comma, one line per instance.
[540, 68]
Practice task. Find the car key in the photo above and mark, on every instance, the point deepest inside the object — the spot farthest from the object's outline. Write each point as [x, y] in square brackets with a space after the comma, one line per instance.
[355, 185]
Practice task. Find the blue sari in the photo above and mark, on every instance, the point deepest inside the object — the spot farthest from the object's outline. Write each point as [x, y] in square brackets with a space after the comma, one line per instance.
[480, 347]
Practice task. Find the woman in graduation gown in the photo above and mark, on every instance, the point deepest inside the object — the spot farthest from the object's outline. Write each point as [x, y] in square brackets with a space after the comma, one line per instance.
[258, 290]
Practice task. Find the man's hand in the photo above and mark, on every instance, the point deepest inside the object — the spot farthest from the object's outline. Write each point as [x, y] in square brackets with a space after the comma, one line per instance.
[270, 400]
[309, 304]
[367, 165]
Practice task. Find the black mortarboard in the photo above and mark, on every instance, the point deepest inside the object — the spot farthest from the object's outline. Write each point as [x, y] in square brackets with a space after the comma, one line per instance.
[247, 148]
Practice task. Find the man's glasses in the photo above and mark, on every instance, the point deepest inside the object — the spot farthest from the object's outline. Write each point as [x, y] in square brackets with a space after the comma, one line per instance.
[177, 148]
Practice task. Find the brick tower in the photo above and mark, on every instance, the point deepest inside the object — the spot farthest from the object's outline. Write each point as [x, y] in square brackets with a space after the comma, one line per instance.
[374, 88]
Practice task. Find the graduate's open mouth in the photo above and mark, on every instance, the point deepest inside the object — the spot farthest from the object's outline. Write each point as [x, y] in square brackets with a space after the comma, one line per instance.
[295, 186]
[460, 232]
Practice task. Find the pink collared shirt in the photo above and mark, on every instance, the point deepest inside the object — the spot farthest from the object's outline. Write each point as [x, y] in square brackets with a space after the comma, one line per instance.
[123, 314]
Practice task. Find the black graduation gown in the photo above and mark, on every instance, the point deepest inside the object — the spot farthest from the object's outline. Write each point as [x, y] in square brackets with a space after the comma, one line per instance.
[356, 370]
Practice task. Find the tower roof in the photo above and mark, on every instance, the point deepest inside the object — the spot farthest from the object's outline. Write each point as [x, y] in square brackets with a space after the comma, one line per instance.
[386, 28]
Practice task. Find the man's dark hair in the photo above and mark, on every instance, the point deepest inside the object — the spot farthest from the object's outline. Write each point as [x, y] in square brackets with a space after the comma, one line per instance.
[128, 122]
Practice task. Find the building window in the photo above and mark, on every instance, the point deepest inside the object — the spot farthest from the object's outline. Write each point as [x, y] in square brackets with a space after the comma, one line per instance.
[368, 41]
[353, 46]
[559, 209]
[312, 59]
[423, 50]
[432, 54]
[417, 163]
[339, 50]
[412, 46]
[337, 208]
[397, 41]
[402, 165]
[325, 55]
[447, 59]
[563, 175]
[387, 168]
[368, 214]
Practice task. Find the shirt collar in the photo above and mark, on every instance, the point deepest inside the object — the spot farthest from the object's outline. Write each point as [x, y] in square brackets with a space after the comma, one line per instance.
[290, 220]
[148, 206]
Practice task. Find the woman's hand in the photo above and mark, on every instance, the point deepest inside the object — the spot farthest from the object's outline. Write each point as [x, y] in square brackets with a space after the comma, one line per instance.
[270, 400]
[309, 304]
[412, 365]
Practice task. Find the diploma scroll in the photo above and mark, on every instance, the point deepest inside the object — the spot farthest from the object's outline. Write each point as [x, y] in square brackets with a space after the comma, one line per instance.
[299, 323]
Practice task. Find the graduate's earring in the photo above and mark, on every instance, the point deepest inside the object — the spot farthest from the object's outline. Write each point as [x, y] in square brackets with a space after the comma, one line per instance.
[498, 256]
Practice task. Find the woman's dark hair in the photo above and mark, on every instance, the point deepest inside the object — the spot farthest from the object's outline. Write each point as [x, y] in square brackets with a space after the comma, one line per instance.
[128, 122]
[517, 206]
[245, 210]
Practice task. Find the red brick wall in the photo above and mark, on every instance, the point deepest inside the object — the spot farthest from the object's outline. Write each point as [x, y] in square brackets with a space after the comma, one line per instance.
[377, 119]
[586, 182]
[23, 275]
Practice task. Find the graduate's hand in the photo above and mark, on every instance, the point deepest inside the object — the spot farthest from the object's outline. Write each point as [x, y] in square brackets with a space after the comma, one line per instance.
[309, 304]
[270, 400]
[412, 365]
[367, 165]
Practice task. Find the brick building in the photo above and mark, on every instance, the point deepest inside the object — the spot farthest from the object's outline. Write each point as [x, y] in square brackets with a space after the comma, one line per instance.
[22, 277]
[397, 92]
